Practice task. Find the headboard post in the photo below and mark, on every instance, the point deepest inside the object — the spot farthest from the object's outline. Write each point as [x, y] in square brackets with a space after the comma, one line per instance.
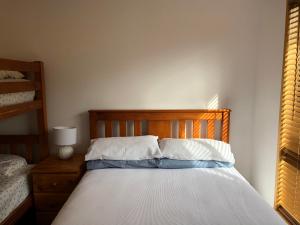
[93, 124]
[42, 112]
[225, 126]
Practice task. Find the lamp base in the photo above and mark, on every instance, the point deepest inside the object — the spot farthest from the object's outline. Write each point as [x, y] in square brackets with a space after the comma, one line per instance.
[65, 152]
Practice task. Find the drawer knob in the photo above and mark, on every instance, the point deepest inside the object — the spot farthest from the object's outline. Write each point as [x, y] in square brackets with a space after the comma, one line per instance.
[54, 184]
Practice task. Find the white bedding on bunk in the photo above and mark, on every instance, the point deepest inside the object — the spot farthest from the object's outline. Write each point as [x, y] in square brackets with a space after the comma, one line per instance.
[16, 98]
[13, 191]
[197, 196]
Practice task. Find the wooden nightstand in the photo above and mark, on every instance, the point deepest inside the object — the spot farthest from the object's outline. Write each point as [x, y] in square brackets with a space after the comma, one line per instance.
[53, 181]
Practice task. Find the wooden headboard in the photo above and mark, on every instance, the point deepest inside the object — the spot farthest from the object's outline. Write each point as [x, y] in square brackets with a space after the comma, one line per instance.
[159, 122]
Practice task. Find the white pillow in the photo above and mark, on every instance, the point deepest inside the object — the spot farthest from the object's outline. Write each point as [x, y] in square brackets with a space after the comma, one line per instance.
[124, 148]
[196, 149]
[8, 74]
[10, 164]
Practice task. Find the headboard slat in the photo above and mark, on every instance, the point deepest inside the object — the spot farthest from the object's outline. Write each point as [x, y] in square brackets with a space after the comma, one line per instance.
[108, 128]
[161, 128]
[182, 129]
[122, 128]
[160, 122]
[196, 129]
[28, 152]
[137, 128]
[211, 129]
[13, 149]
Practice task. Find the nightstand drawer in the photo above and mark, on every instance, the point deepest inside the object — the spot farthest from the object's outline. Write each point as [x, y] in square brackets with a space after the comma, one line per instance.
[49, 201]
[54, 183]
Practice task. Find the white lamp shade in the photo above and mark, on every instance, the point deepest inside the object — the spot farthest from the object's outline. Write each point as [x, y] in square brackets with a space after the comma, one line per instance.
[64, 136]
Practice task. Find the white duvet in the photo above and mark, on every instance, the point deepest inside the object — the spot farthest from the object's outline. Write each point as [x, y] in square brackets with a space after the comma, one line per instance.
[165, 197]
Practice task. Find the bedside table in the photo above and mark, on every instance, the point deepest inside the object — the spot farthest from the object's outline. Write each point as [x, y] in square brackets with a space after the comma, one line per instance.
[53, 181]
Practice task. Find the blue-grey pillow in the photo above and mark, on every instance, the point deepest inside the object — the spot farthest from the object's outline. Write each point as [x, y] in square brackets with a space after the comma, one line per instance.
[156, 163]
[102, 164]
[182, 164]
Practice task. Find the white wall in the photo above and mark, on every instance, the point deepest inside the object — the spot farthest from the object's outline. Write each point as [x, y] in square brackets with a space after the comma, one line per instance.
[267, 97]
[142, 54]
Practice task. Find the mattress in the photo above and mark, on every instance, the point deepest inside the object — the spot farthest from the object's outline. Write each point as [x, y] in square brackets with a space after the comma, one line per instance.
[13, 191]
[16, 98]
[206, 196]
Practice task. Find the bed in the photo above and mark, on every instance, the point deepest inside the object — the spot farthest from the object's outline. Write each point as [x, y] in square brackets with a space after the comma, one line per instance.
[22, 90]
[14, 190]
[165, 196]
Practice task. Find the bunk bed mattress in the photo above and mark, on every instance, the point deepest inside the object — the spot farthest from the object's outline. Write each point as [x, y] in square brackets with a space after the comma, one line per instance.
[17, 97]
[13, 191]
[195, 196]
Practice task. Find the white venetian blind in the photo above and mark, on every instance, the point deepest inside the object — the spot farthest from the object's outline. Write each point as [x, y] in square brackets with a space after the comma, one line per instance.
[288, 174]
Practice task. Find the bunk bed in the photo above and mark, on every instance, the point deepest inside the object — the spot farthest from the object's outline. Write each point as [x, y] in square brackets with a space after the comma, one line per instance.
[32, 147]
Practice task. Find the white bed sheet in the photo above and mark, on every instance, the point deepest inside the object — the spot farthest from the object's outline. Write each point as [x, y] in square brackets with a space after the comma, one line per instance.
[166, 197]
[13, 191]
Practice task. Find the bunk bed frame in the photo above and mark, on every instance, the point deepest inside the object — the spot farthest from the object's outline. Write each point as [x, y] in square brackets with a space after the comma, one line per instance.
[33, 147]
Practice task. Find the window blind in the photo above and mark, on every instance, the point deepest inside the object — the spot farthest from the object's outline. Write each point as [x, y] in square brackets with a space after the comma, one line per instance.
[287, 200]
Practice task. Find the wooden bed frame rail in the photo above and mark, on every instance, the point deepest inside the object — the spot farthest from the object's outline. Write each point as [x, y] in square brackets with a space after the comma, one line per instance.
[159, 122]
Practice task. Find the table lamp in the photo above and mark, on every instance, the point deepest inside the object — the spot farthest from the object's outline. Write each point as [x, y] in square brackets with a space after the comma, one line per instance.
[65, 138]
